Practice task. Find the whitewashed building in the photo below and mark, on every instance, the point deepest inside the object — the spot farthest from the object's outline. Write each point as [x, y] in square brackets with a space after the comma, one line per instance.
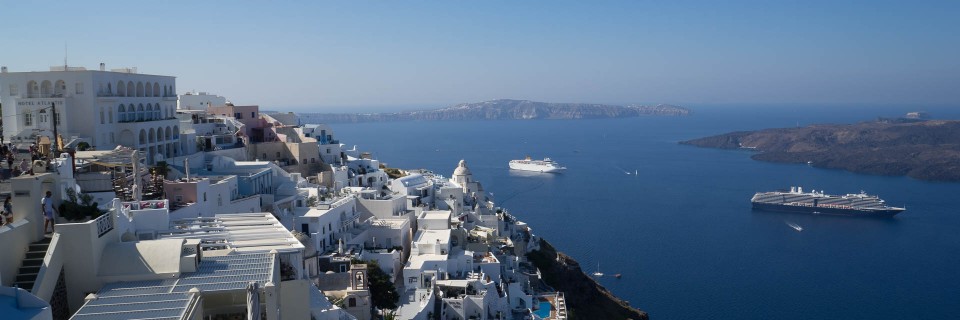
[103, 108]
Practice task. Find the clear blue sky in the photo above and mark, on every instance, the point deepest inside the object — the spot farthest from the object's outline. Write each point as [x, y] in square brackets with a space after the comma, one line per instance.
[404, 53]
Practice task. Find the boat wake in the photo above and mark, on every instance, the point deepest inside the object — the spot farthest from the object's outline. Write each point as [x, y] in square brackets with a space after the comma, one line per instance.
[794, 226]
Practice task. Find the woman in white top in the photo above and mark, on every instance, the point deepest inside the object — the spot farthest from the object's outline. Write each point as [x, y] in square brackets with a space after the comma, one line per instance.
[46, 205]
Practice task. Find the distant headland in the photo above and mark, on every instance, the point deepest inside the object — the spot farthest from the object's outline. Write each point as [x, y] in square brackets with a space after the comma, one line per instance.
[504, 109]
[921, 149]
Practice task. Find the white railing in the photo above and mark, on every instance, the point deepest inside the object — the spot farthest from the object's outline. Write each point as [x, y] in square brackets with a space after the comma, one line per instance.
[104, 224]
[46, 281]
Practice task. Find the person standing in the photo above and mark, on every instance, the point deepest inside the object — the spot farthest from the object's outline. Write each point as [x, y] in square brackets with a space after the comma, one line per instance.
[24, 167]
[7, 211]
[46, 205]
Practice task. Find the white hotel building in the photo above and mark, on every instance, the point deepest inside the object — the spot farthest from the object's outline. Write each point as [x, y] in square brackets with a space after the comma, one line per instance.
[103, 108]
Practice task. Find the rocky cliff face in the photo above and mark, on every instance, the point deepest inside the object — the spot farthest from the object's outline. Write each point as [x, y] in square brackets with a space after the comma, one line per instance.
[586, 299]
[505, 109]
[926, 150]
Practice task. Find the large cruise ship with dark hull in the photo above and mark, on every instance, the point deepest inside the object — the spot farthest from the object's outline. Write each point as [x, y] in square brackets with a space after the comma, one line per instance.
[795, 200]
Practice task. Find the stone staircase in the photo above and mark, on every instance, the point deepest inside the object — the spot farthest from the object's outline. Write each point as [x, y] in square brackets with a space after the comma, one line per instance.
[30, 266]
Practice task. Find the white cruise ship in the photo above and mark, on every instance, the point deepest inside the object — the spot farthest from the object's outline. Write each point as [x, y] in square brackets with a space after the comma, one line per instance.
[545, 165]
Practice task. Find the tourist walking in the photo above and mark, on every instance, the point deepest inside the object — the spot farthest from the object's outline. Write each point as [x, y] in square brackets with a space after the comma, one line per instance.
[46, 205]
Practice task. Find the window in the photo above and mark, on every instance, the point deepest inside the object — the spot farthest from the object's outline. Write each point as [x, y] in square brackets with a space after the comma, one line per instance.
[79, 88]
[28, 119]
[352, 302]
[101, 116]
[305, 228]
[13, 90]
[204, 197]
[343, 268]
[112, 138]
[57, 119]
[253, 115]
[238, 115]
[328, 150]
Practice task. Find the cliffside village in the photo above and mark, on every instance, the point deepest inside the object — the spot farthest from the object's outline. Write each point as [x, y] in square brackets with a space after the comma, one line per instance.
[168, 206]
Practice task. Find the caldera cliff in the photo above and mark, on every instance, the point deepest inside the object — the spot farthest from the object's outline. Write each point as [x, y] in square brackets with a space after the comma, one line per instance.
[925, 150]
[586, 299]
[505, 109]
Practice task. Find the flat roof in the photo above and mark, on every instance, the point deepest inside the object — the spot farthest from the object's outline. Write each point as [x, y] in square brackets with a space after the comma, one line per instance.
[416, 262]
[433, 236]
[142, 257]
[437, 214]
[241, 232]
[169, 298]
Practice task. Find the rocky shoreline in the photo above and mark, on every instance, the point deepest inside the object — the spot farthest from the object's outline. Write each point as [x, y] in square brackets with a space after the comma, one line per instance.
[925, 150]
[586, 299]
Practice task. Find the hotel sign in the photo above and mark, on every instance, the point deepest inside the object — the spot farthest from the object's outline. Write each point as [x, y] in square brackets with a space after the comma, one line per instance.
[39, 102]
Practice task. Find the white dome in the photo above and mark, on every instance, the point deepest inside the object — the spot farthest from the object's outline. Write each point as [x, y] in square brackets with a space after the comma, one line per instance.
[461, 169]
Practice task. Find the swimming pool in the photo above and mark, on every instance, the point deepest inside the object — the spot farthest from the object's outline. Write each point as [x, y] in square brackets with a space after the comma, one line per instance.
[544, 310]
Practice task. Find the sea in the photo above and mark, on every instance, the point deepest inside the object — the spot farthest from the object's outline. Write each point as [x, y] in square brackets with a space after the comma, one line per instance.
[675, 220]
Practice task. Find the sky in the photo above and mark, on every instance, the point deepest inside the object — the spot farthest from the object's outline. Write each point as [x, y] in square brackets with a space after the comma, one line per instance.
[342, 55]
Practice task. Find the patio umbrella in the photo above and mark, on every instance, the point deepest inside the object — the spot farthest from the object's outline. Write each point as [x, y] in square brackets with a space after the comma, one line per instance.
[253, 301]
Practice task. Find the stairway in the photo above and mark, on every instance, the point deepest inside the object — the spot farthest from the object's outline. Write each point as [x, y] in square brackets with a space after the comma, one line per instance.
[30, 266]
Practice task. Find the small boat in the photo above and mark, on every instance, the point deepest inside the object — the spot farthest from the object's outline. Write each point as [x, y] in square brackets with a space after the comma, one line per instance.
[617, 276]
[598, 273]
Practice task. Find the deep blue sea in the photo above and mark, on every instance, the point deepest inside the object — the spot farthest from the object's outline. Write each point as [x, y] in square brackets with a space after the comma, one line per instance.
[682, 232]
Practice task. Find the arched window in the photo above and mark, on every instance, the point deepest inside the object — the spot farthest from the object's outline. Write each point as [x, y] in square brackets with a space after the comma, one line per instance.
[159, 134]
[60, 88]
[121, 89]
[32, 89]
[151, 136]
[156, 112]
[46, 89]
[122, 112]
[156, 89]
[167, 133]
[109, 89]
[148, 90]
[131, 89]
[102, 117]
[176, 132]
[140, 112]
[143, 136]
[131, 113]
[139, 89]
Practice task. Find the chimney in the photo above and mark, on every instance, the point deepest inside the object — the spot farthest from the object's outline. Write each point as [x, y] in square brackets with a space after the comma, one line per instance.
[103, 66]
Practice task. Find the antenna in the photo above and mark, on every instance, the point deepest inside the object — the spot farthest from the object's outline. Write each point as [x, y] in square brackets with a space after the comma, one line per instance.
[64, 56]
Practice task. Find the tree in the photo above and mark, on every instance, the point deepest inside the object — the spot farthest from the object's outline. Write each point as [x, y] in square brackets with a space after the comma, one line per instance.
[382, 292]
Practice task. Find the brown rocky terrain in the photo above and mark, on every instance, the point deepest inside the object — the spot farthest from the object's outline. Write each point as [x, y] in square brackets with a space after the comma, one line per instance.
[926, 150]
[504, 109]
[586, 299]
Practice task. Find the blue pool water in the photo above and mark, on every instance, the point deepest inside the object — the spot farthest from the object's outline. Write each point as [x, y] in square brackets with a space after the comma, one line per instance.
[682, 232]
[544, 310]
